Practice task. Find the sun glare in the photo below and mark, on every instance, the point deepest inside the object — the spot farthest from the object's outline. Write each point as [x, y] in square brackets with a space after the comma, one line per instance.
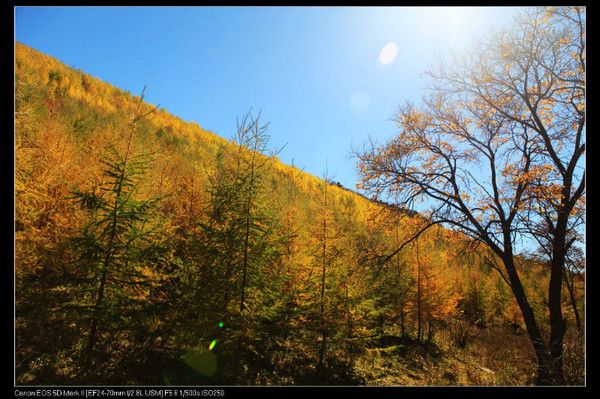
[454, 24]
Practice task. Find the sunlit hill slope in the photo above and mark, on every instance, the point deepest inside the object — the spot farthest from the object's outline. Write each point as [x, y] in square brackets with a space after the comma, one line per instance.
[295, 267]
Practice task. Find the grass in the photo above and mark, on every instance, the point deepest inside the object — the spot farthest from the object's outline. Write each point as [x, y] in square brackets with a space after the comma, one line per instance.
[494, 357]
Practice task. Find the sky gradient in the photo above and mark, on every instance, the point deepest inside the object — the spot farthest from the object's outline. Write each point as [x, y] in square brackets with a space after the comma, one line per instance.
[327, 78]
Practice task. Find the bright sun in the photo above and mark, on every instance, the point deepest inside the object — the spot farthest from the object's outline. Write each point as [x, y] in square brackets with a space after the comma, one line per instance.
[453, 23]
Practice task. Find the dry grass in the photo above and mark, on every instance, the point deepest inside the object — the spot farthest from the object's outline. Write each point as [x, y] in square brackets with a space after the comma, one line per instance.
[574, 358]
[494, 357]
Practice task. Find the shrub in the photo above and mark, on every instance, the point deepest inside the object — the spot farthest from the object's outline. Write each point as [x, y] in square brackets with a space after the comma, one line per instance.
[54, 76]
[461, 332]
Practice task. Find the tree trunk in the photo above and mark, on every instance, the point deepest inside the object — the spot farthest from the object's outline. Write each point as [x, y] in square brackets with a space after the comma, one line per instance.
[546, 373]
[399, 268]
[322, 353]
[419, 310]
[245, 263]
[322, 308]
[349, 325]
[228, 271]
[402, 318]
[247, 231]
[429, 329]
[96, 315]
[557, 322]
[570, 283]
[105, 267]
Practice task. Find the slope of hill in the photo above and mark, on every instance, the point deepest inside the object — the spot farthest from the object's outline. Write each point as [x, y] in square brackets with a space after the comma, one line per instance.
[159, 252]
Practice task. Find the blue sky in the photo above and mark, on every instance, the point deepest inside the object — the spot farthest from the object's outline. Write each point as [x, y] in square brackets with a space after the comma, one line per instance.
[315, 72]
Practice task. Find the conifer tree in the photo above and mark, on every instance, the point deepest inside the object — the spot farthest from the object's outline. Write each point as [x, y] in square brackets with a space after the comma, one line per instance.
[115, 245]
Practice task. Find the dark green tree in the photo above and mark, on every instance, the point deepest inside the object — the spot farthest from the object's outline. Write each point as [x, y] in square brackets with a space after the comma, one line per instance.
[120, 248]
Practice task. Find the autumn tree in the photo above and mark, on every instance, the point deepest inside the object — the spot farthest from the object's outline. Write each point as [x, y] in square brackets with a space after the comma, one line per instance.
[253, 136]
[536, 78]
[390, 280]
[439, 298]
[433, 297]
[507, 116]
[46, 162]
[120, 248]
[240, 248]
[351, 279]
[323, 257]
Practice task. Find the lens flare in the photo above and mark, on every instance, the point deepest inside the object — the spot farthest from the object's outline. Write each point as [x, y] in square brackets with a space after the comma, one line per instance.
[388, 53]
[200, 360]
[221, 324]
[212, 345]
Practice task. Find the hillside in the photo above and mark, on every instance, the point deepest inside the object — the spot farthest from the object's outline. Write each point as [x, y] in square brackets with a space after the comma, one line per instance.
[157, 252]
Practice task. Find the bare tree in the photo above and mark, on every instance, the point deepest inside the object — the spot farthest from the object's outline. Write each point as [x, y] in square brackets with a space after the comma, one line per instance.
[495, 151]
